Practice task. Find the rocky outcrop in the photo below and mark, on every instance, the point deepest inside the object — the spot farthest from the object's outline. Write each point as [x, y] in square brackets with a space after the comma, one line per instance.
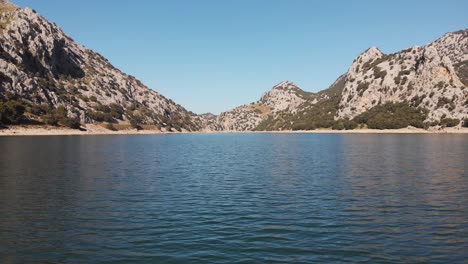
[430, 77]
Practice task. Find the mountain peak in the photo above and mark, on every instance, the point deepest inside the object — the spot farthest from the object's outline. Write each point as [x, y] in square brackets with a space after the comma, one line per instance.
[371, 53]
[285, 85]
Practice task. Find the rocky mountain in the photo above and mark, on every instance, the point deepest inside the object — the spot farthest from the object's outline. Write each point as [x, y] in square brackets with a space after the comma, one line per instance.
[285, 96]
[432, 77]
[282, 108]
[46, 77]
[420, 86]
[43, 68]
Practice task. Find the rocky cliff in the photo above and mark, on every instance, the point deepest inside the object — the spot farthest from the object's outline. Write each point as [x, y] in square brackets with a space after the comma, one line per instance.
[44, 68]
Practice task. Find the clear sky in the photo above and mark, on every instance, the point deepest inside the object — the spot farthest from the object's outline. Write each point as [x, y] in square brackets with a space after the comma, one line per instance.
[213, 55]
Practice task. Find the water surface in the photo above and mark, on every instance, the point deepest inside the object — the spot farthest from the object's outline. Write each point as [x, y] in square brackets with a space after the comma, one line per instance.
[227, 198]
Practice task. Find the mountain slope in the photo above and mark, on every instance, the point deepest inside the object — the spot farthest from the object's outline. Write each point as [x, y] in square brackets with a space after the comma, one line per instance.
[57, 81]
[431, 77]
[44, 68]
[428, 83]
[284, 107]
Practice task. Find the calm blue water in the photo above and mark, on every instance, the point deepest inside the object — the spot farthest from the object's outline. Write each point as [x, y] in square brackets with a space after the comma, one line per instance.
[227, 198]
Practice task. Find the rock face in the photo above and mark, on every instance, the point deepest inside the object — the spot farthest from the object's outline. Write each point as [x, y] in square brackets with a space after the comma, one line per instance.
[44, 67]
[285, 96]
[433, 77]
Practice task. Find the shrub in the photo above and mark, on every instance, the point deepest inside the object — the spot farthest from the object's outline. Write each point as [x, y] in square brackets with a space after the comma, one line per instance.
[350, 124]
[100, 116]
[50, 119]
[110, 127]
[378, 73]
[465, 122]
[11, 112]
[443, 101]
[61, 111]
[338, 126]
[449, 122]
[135, 121]
[70, 122]
[303, 126]
[393, 116]
[117, 111]
[59, 116]
[38, 109]
[362, 87]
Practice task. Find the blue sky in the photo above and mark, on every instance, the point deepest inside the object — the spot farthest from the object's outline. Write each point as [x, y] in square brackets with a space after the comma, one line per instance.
[213, 55]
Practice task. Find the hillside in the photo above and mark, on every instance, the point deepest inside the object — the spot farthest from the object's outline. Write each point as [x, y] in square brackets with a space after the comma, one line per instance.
[432, 77]
[42, 69]
[420, 86]
[48, 78]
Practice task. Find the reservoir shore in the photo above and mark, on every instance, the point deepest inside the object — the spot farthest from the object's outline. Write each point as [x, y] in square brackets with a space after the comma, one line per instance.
[98, 130]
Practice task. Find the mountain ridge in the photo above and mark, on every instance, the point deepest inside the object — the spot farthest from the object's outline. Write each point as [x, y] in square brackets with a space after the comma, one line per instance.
[60, 82]
[433, 77]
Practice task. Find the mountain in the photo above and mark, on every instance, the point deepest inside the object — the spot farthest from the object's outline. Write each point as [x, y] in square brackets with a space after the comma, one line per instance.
[43, 69]
[432, 77]
[285, 107]
[48, 78]
[285, 96]
[420, 86]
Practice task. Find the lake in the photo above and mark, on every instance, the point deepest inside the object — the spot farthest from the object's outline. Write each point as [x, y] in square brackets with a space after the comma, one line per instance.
[234, 198]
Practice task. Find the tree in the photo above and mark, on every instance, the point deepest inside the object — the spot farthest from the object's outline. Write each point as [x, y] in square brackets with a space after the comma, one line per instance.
[11, 112]
[59, 116]
[393, 116]
[350, 124]
[338, 126]
[449, 122]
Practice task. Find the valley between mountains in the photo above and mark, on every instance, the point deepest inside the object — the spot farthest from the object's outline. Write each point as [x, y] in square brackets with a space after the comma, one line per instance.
[47, 79]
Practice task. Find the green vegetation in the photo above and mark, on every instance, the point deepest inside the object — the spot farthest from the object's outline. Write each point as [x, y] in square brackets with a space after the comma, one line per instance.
[393, 116]
[59, 116]
[338, 126]
[11, 112]
[362, 87]
[449, 122]
[378, 73]
[373, 63]
[110, 127]
[318, 115]
[106, 113]
[462, 71]
[465, 122]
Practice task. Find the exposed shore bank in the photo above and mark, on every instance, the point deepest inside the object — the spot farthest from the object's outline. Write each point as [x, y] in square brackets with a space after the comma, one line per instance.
[98, 130]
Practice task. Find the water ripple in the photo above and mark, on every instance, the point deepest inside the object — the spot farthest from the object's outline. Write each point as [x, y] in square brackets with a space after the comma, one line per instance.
[234, 199]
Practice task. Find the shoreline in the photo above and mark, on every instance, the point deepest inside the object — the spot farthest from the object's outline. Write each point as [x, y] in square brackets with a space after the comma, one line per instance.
[96, 130]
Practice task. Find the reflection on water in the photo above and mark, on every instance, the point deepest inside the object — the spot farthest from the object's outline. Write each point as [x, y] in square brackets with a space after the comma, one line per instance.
[234, 198]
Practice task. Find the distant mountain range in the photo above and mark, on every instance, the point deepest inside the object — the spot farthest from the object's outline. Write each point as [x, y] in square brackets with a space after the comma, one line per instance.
[46, 77]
